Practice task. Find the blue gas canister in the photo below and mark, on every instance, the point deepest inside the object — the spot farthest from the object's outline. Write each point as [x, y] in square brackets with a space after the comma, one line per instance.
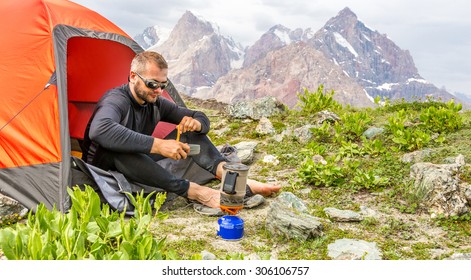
[231, 227]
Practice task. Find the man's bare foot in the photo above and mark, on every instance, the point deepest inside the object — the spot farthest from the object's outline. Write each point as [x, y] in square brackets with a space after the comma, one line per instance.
[264, 189]
[204, 195]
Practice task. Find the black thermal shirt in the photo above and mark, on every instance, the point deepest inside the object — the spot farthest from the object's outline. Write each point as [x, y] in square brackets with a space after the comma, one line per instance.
[119, 123]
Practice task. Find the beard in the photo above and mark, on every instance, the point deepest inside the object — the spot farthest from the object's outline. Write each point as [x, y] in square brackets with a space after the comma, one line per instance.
[145, 94]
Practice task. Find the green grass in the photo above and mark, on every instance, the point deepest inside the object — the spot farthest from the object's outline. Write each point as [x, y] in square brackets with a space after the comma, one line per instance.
[394, 236]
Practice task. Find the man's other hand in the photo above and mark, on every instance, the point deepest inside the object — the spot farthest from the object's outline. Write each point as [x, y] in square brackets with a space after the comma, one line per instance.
[170, 148]
[189, 124]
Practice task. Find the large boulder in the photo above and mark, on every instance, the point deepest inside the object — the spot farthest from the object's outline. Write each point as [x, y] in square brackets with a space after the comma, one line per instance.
[11, 210]
[264, 107]
[287, 216]
[439, 187]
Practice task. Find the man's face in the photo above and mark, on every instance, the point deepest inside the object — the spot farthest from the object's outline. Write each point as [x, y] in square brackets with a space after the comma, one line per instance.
[142, 83]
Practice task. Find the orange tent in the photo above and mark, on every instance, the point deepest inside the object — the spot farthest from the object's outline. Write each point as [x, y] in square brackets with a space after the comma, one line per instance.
[56, 60]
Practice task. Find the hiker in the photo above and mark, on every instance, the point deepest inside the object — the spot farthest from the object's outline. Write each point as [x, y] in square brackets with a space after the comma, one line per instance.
[119, 135]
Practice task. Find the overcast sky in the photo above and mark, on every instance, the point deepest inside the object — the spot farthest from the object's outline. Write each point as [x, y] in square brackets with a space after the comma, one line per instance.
[437, 33]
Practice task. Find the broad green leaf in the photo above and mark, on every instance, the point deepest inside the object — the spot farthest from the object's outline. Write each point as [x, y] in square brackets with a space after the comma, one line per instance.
[35, 245]
[102, 224]
[7, 243]
[114, 229]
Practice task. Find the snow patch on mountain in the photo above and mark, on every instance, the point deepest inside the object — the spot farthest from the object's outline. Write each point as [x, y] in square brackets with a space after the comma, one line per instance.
[283, 35]
[344, 43]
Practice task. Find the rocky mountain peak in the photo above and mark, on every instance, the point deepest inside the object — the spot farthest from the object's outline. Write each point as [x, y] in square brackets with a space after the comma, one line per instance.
[148, 38]
[198, 54]
[348, 42]
[346, 13]
[371, 58]
[344, 20]
[153, 35]
[276, 37]
[189, 29]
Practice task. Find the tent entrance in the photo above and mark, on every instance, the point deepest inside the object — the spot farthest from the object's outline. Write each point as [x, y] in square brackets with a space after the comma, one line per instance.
[93, 67]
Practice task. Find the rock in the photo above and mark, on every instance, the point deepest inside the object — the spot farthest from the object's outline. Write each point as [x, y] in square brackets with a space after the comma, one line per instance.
[373, 132]
[416, 156]
[205, 255]
[287, 217]
[467, 193]
[292, 202]
[305, 191]
[368, 212]
[439, 187]
[436, 253]
[271, 160]
[319, 159]
[245, 151]
[343, 215]
[353, 249]
[278, 138]
[11, 210]
[222, 131]
[460, 256]
[264, 107]
[265, 127]
[327, 116]
[304, 133]
[285, 133]
[449, 160]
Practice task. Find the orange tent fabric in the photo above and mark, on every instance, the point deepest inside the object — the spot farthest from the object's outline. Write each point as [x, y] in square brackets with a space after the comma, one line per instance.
[29, 118]
[56, 60]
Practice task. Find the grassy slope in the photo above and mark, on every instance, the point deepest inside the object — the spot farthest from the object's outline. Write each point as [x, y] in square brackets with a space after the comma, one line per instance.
[402, 229]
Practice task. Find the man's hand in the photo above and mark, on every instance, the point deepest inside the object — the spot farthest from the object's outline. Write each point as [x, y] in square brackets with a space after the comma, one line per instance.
[189, 124]
[170, 148]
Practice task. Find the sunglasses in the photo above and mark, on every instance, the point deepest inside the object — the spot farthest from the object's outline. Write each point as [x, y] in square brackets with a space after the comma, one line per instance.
[152, 84]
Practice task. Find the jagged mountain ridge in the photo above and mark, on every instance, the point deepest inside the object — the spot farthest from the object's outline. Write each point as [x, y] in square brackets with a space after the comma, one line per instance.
[206, 64]
[275, 38]
[372, 59]
[198, 55]
[152, 36]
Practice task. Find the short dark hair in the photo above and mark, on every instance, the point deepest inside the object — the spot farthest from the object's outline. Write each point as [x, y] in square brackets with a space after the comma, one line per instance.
[140, 61]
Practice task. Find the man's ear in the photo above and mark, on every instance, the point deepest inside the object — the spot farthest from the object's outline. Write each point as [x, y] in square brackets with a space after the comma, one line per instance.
[132, 76]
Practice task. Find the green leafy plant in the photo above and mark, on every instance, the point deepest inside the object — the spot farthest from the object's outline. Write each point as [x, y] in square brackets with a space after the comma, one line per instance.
[88, 231]
[397, 121]
[367, 180]
[314, 148]
[322, 133]
[375, 147]
[408, 138]
[442, 119]
[349, 149]
[350, 165]
[313, 102]
[321, 175]
[354, 124]
[377, 99]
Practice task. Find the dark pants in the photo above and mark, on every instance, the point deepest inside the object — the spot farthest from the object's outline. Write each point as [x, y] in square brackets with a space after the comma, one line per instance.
[144, 169]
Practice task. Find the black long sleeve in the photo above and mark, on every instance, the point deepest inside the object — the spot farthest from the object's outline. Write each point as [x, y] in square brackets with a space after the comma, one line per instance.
[172, 113]
[108, 130]
[121, 124]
